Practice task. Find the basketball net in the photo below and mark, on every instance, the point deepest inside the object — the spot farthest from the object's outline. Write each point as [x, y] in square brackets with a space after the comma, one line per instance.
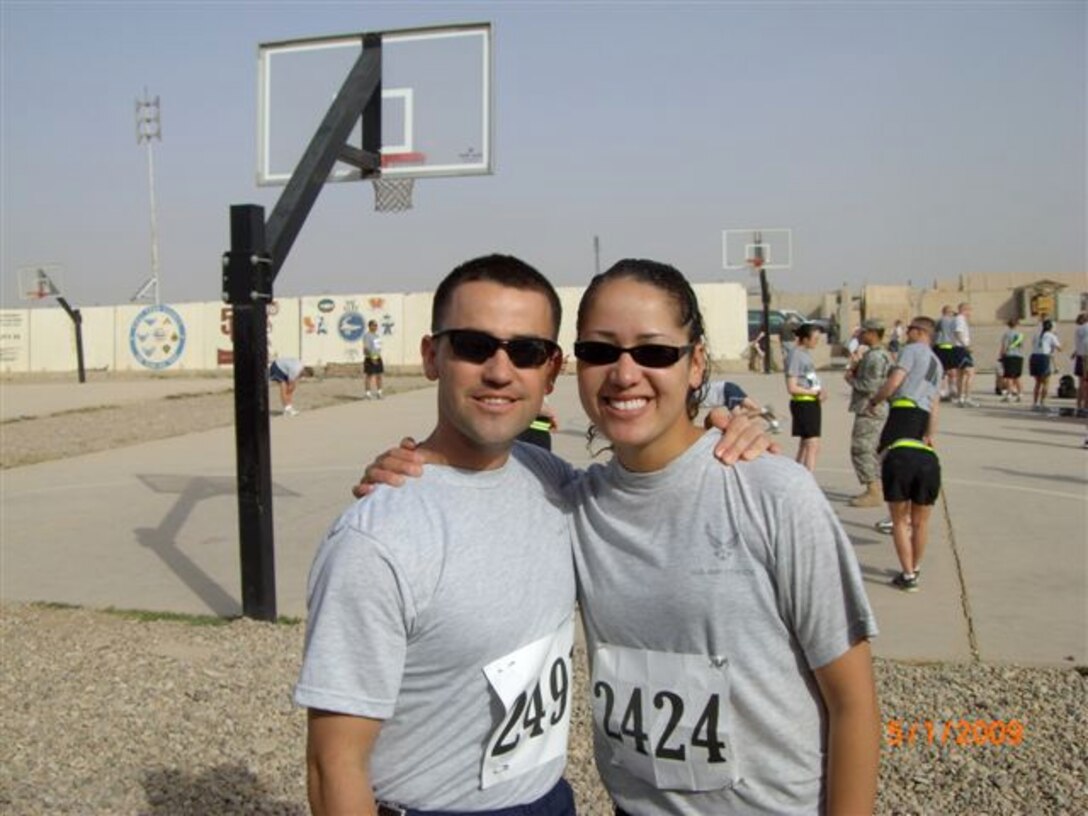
[392, 194]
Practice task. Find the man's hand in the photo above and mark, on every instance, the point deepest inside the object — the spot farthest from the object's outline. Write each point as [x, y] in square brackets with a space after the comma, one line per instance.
[742, 439]
[392, 467]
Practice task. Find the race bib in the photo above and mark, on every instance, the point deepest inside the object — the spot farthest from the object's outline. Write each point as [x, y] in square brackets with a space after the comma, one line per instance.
[665, 716]
[534, 686]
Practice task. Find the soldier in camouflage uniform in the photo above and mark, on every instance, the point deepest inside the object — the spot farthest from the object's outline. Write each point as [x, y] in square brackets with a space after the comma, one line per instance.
[865, 380]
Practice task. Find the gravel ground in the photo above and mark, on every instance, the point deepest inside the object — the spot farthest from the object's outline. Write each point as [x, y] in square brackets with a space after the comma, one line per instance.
[106, 713]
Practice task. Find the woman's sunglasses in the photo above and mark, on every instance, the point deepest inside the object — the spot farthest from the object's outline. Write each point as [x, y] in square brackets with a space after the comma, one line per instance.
[650, 355]
[478, 347]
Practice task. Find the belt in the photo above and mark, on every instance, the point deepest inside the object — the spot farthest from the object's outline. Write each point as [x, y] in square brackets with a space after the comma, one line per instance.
[803, 398]
[540, 425]
[903, 402]
[560, 799]
[910, 443]
[944, 345]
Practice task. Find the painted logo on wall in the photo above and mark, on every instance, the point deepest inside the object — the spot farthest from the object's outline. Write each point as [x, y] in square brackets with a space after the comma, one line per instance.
[351, 326]
[157, 337]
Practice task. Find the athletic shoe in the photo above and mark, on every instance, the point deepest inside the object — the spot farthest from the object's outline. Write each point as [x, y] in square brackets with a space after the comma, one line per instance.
[969, 403]
[885, 526]
[380, 395]
[290, 410]
[1016, 398]
[901, 581]
[1005, 396]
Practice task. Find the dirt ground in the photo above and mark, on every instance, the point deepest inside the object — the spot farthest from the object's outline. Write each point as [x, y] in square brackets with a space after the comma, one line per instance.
[26, 440]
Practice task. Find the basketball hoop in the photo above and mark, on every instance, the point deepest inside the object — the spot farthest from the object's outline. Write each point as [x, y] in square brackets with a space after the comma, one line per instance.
[394, 193]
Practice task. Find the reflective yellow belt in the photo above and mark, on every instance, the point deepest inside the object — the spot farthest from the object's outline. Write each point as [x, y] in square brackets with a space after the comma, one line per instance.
[540, 425]
[804, 398]
[904, 402]
[944, 345]
[911, 443]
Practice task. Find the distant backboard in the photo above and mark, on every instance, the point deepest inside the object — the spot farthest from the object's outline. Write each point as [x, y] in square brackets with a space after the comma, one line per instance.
[436, 101]
[39, 282]
[769, 248]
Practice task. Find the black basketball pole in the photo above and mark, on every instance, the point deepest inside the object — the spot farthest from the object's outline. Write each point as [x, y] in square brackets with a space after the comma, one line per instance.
[77, 323]
[765, 293]
[257, 253]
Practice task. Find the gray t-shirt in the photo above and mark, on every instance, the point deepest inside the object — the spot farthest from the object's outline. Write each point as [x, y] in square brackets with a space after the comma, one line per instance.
[420, 598]
[923, 375]
[1013, 343]
[799, 364]
[709, 595]
[946, 331]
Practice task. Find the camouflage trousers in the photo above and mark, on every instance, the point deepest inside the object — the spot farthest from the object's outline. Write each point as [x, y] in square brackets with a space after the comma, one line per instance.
[863, 441]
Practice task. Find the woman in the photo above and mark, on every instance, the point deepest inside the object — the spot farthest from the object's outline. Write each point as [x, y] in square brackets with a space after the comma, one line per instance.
[728, 635]
[724, 611]
[1040, 364]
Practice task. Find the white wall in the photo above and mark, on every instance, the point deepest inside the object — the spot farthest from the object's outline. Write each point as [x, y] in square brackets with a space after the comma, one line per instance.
[317, 330]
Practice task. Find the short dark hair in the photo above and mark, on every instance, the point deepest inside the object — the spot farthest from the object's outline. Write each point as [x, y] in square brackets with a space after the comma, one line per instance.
[805, 331]
[925, 323]
[505, 270]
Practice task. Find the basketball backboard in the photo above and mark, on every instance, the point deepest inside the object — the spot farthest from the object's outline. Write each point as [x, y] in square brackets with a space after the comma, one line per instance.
[436, 101]
[766, 248]
[39, 282]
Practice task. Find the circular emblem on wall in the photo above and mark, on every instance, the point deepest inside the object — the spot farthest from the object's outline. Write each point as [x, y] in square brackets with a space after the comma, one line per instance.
[351, 326]
[157, 337]
[326, 305]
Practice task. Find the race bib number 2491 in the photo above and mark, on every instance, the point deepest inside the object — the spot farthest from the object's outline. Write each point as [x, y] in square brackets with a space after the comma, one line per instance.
[534, 686]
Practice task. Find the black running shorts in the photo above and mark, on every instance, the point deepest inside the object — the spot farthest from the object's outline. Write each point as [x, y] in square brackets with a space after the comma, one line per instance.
[1013, 367]
[807, 416]
[911, 474]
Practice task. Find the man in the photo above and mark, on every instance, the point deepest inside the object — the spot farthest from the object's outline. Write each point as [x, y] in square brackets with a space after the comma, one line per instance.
[1080, 363]
[806, 394]
[911, 471]
[865, 380]
[373, 368]
[431, 621]
[962, 360]
[286, 371]
[944, 343]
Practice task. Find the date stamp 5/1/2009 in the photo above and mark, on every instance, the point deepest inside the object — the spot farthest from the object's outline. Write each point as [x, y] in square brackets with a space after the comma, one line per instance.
[905, 733]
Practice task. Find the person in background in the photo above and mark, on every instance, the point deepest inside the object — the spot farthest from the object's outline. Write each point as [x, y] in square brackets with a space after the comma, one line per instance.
[865, 380]
[1011, 357]
[806, 394]
[373, 367]
[540, 430]
[910, 469]
[286, 372]
[731, 396]
[1080, 363]
[1041, 363]
[898, 336]
[962, 358]
[944, 344]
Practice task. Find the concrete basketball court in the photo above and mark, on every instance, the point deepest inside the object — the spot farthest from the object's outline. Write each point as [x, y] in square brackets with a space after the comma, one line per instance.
[154, 526]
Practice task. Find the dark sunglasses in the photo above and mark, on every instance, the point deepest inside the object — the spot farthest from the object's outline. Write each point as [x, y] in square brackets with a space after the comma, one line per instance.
[650, 355]
[478, 347]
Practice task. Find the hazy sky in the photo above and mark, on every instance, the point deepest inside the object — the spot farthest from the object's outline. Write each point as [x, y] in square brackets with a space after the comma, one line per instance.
[899, 141]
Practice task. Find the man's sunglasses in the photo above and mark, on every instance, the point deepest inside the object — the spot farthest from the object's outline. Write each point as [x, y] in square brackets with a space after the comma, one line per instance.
[478, 347]
[650, 355]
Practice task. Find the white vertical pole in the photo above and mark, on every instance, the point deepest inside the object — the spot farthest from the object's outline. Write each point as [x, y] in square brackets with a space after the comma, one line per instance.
[154, 223]
[149, 128]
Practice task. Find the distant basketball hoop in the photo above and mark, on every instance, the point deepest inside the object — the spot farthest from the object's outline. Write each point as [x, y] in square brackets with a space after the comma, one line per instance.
[39, 282]
[394, 193]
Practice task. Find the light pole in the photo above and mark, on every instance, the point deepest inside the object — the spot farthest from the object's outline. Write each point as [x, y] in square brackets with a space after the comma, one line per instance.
[149, 128]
